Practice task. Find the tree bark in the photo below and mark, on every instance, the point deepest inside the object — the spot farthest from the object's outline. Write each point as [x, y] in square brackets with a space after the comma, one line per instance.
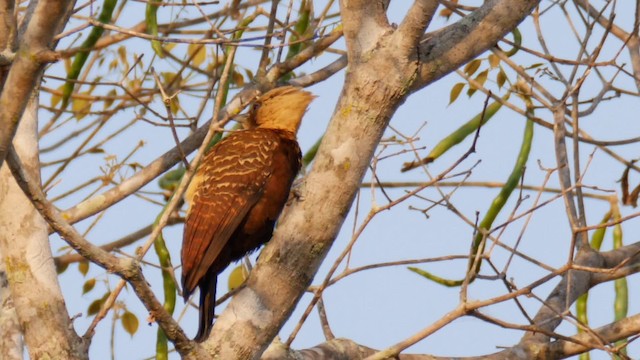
[31, 275]
[11, 344]
[44, 19]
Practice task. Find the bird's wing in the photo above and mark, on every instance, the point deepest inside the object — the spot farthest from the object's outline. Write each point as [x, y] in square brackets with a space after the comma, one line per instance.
[233, 176]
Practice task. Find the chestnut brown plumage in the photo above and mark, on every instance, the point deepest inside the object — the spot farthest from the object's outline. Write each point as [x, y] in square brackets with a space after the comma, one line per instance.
[238, 193]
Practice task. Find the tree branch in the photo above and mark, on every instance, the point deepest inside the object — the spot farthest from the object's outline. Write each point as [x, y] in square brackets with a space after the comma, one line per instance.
[468, 37]
[412, 28]
[364, 23]
[47, 19]
[26, 252]
[11, 344]
[64, 260]
[610, 333]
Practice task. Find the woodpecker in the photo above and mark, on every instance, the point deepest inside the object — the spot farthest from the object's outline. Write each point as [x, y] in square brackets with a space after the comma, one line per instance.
[238, 192]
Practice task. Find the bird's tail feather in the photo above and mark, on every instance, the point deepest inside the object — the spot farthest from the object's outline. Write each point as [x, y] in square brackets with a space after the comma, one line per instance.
[207, 306]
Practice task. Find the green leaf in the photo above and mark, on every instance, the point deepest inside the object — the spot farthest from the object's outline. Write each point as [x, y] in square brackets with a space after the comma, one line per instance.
[151, 19]
[435, 278]
[168, 284]
[598, 235]
[302, 29]
[171, 179]
[463, 131]
[79, 60]
[129, 322]
[455, 92]
[311, 153]
[88, 285]
[501, 199]
[517, 41]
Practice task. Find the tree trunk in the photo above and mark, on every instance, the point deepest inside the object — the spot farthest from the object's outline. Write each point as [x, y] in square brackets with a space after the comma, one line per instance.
[24, 245]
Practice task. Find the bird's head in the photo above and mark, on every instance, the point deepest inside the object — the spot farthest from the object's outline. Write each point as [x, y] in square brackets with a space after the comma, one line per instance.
[281, 108]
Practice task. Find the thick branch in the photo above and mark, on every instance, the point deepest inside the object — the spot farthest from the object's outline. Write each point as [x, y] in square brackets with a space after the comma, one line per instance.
[559, 349]
[48, 18]
[574, 283]
[24, 246]
[11, 344]
[469, 37]
[412, 28]
[332, 349]
[611, 333]
[364, 23]
[8, 30]
[64, 260]
[623, 261]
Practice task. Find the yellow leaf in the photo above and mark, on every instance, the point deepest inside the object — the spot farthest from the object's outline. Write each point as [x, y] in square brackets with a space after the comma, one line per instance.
[129, 322]
[81, 108]
[482, 77]
[198, 52]
[501, 78]
[238, 79]
[94, 307]
[60, 268]
[55, 98]
[122, 53]
[472, 67]
[249, 74]
[111, 98]
[67, 65]
[494, 60]
[455, 92]
[88, 285]
[237, 277]
[169, 46]
[83, 266]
